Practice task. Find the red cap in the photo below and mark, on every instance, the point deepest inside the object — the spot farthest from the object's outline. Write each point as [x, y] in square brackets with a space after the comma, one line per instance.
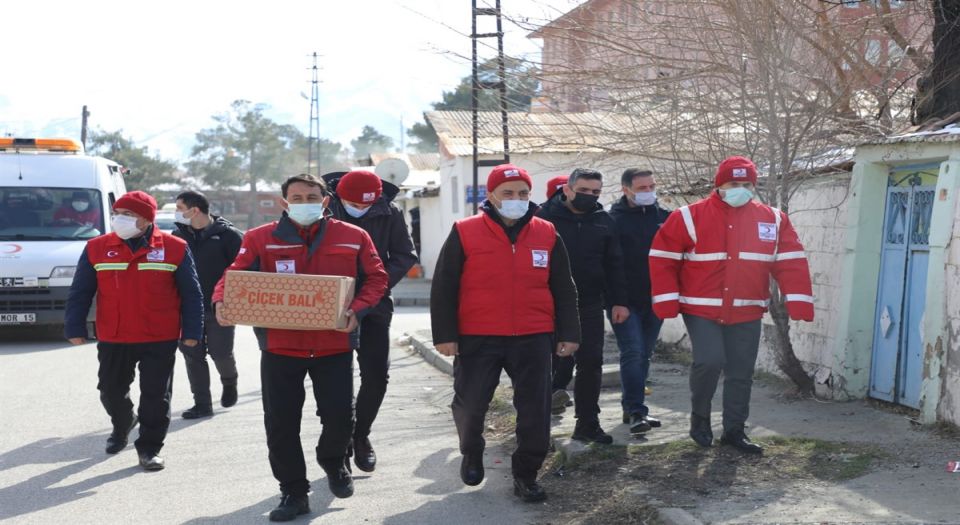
[507, 173]
[555, 184]
[736, 169]
[362, 187]
[138, 202]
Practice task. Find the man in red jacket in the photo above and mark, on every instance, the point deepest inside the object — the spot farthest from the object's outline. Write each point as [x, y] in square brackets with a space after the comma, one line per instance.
[712, 261]
[304, 241]
[502, 291]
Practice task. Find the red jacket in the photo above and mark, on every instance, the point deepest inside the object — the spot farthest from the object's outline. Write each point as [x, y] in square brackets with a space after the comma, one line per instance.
[504, 288]
[137, 296]
[715, 261]
[336, 248]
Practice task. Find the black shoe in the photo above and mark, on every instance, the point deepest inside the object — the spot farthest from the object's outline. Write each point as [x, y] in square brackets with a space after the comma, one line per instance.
[639, 424]
[338, 477]
[151, 462]
[654, 422]
[118, 438]
[290, 507]
[471, 469]
[700, 430]
[738, 440]
[198, 411]
[559, 401]
[229, 396]
[364, 456]
[528, 491]
[591, 433]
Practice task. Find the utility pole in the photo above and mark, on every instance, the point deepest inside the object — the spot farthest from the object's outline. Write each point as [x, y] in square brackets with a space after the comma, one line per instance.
[313, 142]
[83, 127]
[403, 137]
[500, 85]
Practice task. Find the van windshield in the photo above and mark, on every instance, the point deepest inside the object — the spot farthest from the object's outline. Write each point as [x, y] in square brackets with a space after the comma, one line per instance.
[49, 214]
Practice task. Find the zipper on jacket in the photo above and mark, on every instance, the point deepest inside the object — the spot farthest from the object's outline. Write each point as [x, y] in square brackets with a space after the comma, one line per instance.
[513, 292]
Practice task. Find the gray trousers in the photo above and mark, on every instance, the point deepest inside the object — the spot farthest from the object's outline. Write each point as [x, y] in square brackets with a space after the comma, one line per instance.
[218, 342]
[731, 349]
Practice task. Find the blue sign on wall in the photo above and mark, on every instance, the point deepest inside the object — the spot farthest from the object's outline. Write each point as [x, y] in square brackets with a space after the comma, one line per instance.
[477, 197]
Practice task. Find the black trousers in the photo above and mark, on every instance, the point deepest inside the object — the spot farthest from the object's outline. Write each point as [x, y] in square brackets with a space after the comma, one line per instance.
[373, 356]
[731, 349]
[476, 374]
[283, 395]
[218, 342]
[118, 362]
[589, 363]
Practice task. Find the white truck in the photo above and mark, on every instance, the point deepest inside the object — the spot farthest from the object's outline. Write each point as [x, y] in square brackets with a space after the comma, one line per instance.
[53, 199]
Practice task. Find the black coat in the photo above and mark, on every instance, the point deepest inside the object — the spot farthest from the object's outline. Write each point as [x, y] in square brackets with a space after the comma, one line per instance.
[594, 249]
[214, 249]
[637, 225]
[386, 226]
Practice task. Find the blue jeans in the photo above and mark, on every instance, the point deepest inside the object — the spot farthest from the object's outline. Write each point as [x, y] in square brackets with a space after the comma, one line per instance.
[636, 337]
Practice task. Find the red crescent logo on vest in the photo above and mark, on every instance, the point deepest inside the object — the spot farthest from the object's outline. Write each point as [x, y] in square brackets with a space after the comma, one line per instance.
[12, 248]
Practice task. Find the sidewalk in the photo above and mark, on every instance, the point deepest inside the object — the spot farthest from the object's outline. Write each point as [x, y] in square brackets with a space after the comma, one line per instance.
[909, 485]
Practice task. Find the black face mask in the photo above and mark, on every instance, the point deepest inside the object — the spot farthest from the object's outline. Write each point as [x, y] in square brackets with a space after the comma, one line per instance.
[583, 202]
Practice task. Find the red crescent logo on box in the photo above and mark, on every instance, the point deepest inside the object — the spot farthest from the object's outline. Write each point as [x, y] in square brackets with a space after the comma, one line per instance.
[12, 248]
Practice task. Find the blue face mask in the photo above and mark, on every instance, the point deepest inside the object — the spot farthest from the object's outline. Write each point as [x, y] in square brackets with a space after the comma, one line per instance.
[513, 209]
[305, 214]
[737, 197]
[356, 213]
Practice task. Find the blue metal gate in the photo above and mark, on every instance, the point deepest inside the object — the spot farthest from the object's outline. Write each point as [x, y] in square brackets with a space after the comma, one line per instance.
[896, 369]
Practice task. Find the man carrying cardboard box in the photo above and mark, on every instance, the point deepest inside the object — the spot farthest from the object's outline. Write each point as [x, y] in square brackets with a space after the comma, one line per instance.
[305, 242]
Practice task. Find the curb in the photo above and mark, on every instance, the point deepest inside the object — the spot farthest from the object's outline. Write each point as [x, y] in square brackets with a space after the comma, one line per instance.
[430, 354]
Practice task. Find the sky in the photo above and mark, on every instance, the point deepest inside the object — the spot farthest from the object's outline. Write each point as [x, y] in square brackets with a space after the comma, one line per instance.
[160, 70]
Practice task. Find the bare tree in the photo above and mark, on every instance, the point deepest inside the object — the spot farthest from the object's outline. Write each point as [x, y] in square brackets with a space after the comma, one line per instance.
[789, 83]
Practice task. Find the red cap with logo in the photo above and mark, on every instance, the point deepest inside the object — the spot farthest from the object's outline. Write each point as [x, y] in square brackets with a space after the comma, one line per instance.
[735, 169]
[554, 184]
[361, 187]
[141, 203]
[507, 173]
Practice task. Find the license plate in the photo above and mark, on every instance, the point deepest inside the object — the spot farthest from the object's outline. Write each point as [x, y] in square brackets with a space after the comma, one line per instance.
[17, 318]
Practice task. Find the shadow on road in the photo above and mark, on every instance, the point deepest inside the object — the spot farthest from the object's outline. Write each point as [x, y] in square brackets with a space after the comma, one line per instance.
[320, 501]
[37, 493]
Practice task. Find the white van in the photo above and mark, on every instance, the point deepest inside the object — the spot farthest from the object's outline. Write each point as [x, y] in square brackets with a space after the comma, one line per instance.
[53, 199]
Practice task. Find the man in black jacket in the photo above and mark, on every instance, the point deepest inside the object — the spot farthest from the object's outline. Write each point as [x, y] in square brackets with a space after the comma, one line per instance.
[503, 299]
[215, 244]
[590, 236]
[361, 198]
[638, 217]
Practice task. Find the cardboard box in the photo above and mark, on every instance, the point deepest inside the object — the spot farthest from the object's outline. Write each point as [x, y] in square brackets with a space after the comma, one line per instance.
[287, 300]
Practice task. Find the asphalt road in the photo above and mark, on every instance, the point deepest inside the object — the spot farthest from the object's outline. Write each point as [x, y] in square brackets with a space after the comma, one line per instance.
[53, 468]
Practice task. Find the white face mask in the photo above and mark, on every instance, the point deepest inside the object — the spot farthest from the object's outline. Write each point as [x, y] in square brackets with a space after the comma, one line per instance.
[356, 213]
[645, 198]
[81, 205]
[180, 218]
[513, 209]
[305, 214]
[124, 226]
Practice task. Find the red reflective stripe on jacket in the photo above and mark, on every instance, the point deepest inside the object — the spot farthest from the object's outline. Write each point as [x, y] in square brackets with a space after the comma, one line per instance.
[344, 250]
[505, 289]
[139, 303]
[721, 269]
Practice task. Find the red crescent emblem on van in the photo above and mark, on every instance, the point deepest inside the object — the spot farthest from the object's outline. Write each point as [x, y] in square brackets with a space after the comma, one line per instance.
[12, 248]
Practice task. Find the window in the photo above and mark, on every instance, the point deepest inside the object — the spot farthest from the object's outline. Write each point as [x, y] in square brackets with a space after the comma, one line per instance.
[50, 214]
[872, 51]
[851, 3]
[894, 53]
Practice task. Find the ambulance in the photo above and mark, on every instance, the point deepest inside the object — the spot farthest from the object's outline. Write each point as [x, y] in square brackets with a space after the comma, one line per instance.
[53, 199]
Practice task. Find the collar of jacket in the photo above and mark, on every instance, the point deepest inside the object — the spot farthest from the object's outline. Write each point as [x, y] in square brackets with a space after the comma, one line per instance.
[289, 232]
[557, 208]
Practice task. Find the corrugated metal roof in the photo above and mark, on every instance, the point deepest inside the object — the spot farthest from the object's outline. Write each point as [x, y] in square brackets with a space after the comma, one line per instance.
[530, 132]
[416, 161]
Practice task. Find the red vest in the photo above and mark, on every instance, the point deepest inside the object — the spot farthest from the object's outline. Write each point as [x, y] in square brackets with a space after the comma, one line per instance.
[504, 288]
[137, 297]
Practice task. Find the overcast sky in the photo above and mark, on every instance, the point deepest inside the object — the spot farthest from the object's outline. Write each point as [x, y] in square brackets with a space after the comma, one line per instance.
[160, 70]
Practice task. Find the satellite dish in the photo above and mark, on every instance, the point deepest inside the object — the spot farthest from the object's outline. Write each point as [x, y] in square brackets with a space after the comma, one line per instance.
[392, 170]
